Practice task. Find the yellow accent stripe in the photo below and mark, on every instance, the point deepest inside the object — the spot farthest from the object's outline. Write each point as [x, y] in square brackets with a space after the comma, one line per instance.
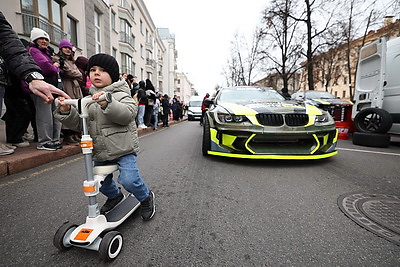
[295, 157]
[318, 144]
[227, 140]
[248, 140]
[213, 135]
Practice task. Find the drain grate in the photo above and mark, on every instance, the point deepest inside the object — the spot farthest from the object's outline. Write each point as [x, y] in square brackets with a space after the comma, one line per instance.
[377, 213]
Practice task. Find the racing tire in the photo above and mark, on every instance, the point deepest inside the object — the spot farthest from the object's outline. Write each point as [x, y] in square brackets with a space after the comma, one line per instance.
[110, 246]
[371, 139]
[373, 120]
[61, 237]
[206, 145]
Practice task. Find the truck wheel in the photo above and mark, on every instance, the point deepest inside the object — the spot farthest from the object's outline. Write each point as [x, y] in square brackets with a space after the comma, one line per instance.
[371, 139]
[373, 120]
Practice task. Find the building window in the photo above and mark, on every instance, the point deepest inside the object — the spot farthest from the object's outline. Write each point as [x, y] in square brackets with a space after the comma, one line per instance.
[141, 51]
[113, 18]
[97, 32]
[125, 34]
[141, 26]
[114, 52]
[43, 14]
[344, 94]
[72, 25]
[127, 64]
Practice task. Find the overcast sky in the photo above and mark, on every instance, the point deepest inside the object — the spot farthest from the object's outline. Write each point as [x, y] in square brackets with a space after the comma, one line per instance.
[203, 32]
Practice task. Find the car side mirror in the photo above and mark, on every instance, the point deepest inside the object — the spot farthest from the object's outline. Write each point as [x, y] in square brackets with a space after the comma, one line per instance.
[300, 98]
[208, 102]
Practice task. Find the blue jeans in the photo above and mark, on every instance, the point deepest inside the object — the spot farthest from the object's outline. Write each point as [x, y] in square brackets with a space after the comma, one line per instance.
[129, 178]
[141, 109]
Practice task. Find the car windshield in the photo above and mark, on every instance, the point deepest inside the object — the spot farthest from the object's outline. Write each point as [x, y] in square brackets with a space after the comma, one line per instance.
[319, 95]
[249, 94]
[195, 103]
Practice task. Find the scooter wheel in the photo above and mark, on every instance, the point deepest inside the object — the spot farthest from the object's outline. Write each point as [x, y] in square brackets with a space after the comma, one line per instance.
[110, 246]
[62, 236]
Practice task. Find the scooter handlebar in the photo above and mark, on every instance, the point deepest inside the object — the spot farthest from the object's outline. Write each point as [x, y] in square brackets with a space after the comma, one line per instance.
[85, 101]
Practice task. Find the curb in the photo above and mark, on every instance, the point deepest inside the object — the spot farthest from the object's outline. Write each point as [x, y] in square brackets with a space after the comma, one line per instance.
[29, 157]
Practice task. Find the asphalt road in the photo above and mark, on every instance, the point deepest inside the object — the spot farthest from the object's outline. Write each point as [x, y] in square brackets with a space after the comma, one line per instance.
[210, 211]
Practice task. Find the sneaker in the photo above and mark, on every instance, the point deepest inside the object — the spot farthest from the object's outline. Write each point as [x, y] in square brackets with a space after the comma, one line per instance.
[57, 145]
[4, 150]
[142, 126]
[49, 147]
[10, 146]
[148, 207]
[111, 203]
[28, 137]
[22, 144]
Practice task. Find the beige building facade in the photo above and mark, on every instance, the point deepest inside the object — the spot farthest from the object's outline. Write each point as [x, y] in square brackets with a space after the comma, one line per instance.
[121, 28]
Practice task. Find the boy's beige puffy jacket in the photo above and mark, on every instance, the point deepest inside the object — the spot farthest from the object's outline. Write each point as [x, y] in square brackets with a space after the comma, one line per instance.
[113, 129]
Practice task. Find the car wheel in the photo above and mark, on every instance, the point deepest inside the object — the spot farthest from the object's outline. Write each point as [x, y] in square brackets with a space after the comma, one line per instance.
[373, 120]
[206, 146]
[371, 139]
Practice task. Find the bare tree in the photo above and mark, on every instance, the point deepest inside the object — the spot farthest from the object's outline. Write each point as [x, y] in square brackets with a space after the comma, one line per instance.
[243, 61]
[282, 43]
[325, 10]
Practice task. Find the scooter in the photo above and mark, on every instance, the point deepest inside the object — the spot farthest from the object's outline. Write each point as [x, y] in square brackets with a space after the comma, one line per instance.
[97, 232]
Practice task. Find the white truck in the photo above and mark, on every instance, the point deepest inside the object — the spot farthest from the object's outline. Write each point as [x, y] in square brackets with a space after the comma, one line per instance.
[376, 111]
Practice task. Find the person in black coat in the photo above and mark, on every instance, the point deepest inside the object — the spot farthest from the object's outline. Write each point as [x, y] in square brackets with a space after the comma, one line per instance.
[165, 110]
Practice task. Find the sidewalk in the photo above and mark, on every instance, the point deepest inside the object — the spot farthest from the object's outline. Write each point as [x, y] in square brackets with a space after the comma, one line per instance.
[29, 157]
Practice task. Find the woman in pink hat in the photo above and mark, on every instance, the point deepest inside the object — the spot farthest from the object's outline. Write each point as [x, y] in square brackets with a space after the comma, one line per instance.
[71, 78]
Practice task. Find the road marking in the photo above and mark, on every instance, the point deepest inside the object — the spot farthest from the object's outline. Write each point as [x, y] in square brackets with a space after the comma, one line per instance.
[16, 180]
[369, 151]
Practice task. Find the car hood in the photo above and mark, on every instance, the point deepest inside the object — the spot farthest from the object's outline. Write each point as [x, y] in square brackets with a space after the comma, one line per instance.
[253, 107]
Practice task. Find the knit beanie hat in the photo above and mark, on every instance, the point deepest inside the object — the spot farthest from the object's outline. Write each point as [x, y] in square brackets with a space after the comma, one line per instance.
[107, 62]
[37, 33]
[65, 43]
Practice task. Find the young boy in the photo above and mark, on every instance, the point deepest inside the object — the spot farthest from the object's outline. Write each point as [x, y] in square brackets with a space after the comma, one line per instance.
[113, 129]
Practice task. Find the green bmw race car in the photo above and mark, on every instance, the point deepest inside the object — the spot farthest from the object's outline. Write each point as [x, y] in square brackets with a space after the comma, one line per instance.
[258, 123]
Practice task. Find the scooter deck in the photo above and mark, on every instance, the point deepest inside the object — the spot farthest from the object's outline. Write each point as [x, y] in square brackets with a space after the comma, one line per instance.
[128, 205]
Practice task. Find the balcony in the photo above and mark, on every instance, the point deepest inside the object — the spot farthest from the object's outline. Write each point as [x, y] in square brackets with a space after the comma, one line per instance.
[29, 21]
[126, 38]
[151, 62]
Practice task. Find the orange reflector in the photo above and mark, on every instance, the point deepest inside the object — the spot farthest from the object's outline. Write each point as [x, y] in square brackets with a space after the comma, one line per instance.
[86, 144]
[83, 234]
[88, 189]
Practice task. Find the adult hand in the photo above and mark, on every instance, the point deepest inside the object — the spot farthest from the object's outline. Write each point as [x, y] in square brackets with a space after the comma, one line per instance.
[45, 90]
[63, 107]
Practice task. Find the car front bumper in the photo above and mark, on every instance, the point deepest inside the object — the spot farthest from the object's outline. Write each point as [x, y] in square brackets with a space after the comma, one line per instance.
[300, 145]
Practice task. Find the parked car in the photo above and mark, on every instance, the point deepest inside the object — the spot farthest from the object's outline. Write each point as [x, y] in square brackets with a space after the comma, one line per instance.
[258, 123]
[338, 108]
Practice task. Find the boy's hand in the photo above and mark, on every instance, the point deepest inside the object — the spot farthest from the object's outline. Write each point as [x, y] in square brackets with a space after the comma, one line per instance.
[97, 96]
[63, 107]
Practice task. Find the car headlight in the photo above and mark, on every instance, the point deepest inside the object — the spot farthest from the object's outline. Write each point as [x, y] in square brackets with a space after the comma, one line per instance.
[324, 119]
[190, 112]
[231, 118]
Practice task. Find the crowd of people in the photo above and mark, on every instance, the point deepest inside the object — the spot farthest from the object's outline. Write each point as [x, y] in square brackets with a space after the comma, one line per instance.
[61, 69]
